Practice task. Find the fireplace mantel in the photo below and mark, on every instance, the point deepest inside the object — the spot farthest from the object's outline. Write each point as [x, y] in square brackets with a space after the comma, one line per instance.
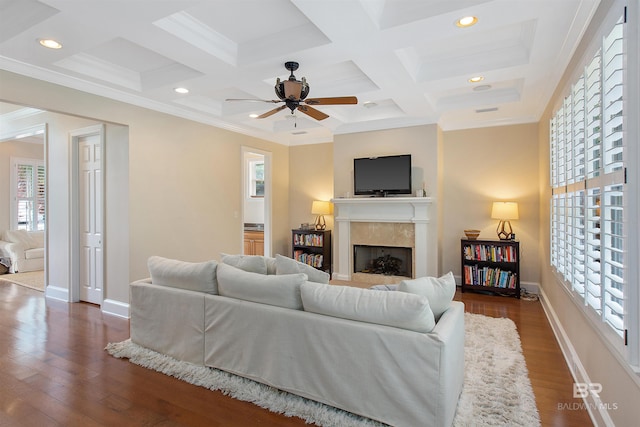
[416, 210]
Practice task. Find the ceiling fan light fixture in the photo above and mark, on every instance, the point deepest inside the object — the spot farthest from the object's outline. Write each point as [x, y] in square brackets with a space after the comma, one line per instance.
[50, 43]
[476, 79]
[466, 21]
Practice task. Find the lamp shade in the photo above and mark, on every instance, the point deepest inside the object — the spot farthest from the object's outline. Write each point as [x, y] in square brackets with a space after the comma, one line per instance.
[321, 208]
[504, 210]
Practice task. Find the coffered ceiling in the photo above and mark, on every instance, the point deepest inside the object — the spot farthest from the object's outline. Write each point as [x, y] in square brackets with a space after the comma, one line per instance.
[405, 60]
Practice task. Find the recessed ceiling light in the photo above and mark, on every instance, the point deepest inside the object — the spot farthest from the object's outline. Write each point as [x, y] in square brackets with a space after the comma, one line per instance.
[253, 116]
[476, 79]
[181, 90]
[50, 43]
[369, 104]
[466, 21]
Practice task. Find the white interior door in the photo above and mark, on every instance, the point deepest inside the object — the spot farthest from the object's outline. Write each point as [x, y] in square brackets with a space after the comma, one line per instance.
[90, 221]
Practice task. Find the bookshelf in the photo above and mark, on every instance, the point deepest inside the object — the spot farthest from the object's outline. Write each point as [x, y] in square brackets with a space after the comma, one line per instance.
[491, 266]
[312, 247]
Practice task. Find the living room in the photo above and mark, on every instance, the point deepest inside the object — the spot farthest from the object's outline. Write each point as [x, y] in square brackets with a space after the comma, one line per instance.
[175, 191]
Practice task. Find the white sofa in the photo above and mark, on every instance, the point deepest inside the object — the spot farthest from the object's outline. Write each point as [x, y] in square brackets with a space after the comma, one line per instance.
[24, 248]
[260, 325]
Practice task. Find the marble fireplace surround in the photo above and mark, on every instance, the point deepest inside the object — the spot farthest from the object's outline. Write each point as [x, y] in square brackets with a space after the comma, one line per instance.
[383, 221]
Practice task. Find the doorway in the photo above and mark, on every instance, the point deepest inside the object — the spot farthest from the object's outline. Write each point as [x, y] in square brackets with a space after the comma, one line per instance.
[87, 214]
[256, 201]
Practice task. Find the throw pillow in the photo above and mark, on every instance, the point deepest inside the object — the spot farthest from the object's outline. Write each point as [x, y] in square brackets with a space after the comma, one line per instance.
[184, 275]
[286, 265]
[250, 263]
[398, 309]
[439, 291]
[281, 291]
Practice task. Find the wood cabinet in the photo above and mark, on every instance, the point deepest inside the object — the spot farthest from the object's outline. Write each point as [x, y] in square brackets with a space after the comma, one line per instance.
[312, 247]
[491, 266]
[254, 242]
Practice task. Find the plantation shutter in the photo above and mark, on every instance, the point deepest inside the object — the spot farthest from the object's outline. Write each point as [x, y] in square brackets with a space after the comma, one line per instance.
[587, 176]
[29, 204]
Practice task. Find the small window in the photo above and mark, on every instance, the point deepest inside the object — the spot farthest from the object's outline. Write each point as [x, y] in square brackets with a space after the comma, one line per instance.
[28, 188]
[256, 178]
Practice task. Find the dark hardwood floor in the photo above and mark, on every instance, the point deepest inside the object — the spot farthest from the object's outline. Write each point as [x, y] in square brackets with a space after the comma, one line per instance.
[54, 370]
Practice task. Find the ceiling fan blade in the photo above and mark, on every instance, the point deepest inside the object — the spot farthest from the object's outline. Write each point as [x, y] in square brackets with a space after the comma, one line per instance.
[271, 112]
[332, 101]
[270, 101]
[310, 111]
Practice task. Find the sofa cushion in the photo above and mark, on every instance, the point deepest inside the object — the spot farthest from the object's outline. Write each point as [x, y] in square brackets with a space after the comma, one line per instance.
[286, 265]
[398, 309]
[192, 276]
[439, 291]
[249, 263]
[21, 237]
[279, 290]
[34, 253]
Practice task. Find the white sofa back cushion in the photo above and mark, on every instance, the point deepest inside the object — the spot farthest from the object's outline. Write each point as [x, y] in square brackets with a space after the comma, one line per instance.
[398, 309]
[282, 290]
[439, 291]
[192, 276]
[249, 263]
[22, 237]
[286, 265]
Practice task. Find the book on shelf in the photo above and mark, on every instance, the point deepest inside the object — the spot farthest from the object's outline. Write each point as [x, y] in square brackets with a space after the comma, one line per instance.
[490, 252]
[308, 239]
[489, 276]
[314, 260]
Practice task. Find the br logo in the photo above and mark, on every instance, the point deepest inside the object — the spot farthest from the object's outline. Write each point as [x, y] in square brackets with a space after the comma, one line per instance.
[582, 390]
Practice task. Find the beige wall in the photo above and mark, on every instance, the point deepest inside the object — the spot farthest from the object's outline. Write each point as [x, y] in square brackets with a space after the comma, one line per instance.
[311, 169]
[592, 358]
[485, 165]
[184, 194]
[421, 142]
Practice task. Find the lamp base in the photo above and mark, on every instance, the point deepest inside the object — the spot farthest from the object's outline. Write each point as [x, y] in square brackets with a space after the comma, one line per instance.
[504, 230]
[320, 223]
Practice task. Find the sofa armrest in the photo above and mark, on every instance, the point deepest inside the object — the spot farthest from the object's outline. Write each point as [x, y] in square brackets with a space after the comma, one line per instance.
[168, 320]
[12, 250]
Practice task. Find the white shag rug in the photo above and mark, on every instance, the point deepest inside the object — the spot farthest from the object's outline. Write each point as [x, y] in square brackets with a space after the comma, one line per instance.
[496, 391]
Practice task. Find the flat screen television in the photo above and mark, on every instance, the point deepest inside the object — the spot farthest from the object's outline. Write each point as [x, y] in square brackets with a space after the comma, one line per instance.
[381, 176]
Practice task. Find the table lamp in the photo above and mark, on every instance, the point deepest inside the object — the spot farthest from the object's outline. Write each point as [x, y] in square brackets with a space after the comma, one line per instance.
[504, 211]
[321, 208]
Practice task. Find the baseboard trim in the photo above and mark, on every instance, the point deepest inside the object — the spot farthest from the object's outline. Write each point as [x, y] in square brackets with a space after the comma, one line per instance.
[57, 293]
[115, 308]
[530, 287]
[592, 403]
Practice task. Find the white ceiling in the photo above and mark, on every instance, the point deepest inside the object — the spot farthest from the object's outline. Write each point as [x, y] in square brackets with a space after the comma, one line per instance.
[405, 56]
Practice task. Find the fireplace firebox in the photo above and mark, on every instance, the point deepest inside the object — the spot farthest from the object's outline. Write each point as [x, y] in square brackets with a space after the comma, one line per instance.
[385, 260]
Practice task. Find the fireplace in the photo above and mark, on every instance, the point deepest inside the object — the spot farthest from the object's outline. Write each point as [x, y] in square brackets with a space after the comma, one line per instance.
[385, 260]
[388, 222]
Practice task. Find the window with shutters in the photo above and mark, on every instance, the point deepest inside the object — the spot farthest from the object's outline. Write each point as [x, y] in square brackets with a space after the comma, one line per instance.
[587, 173]
[28, 198]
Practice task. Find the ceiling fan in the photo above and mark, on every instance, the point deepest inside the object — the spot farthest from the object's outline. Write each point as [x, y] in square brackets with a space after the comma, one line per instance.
[294, 93]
